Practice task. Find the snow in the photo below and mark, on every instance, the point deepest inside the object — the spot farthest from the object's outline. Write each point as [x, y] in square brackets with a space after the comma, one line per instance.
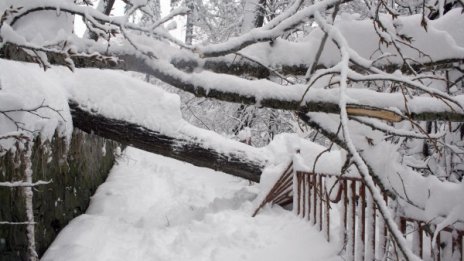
[41, 27]
[23, 88]
[118, 95]
[156, 208]
[264, 90]
[284, 147]
[287, 53]
[273, 30]
[432, 199]
[445, 34]
[114, 94]
[249, 16]
[36, 103]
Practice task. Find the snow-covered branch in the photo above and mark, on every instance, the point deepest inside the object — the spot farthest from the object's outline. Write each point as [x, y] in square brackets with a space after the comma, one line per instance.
[14, 184]
[272, 95]
[275, 28]
[353, 150]
[245, 162]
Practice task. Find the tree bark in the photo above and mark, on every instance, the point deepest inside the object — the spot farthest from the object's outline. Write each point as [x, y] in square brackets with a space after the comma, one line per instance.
[189, 23]
[105, 6]
[234, 163]
[130, 62]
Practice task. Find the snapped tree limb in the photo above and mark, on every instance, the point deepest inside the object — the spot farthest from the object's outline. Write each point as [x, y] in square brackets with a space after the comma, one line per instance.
[189, 150]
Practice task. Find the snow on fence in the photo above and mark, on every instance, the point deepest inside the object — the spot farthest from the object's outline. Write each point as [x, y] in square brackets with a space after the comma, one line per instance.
[319, 197]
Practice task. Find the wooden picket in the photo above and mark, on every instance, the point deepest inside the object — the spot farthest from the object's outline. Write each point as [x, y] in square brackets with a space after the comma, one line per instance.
[281, 192]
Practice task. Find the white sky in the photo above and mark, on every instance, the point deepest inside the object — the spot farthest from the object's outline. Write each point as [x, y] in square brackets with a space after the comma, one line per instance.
[118, 10]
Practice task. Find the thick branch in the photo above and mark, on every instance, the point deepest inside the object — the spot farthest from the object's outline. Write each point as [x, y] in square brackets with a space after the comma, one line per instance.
[243, 67]
[184, 82]
[313, 103]
[235, 163]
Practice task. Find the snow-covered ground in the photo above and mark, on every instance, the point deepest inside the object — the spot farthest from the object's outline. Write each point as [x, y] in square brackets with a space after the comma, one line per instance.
[157, 208]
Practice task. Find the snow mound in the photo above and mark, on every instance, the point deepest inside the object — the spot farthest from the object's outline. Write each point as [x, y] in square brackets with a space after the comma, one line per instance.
[156, 208]
[115, 94]
[23, 87]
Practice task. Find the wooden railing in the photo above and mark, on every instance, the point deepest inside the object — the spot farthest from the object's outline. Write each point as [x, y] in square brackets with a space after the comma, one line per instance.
[281, 192]
[319, 198]
[365, 236]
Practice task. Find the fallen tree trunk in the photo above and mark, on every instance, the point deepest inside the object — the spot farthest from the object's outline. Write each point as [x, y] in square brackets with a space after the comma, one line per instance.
[235, 163]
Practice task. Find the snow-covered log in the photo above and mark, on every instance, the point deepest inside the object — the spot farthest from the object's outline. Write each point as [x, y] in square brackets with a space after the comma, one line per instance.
[235, 163]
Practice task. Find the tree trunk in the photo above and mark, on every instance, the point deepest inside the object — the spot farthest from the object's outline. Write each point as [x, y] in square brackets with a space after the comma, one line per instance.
[236, 163]
[105, 6]
[189, 23]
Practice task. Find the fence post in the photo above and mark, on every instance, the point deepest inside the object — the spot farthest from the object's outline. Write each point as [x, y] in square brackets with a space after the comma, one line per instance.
[417, 239]
[310, 205]
[351, 219]
[307, 193]
[315, 198]
[438, 243]
[296, 200]
[301, 194]
[327, 209]
[345, 212]
[370, 227]
[382, 243]
[361, 222]
[457, 245]
[321, 198]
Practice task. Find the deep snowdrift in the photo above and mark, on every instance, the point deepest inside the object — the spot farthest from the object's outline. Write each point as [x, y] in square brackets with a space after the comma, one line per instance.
[156, 208]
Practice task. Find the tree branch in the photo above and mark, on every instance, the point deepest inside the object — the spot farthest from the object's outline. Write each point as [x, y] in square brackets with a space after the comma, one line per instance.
[369, 103]
[236, 163]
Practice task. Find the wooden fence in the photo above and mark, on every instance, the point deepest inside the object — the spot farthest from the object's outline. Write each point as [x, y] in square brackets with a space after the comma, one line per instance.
[316, 198]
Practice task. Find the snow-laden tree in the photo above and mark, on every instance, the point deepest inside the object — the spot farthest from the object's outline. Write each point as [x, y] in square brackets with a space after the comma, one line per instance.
[381, 79]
